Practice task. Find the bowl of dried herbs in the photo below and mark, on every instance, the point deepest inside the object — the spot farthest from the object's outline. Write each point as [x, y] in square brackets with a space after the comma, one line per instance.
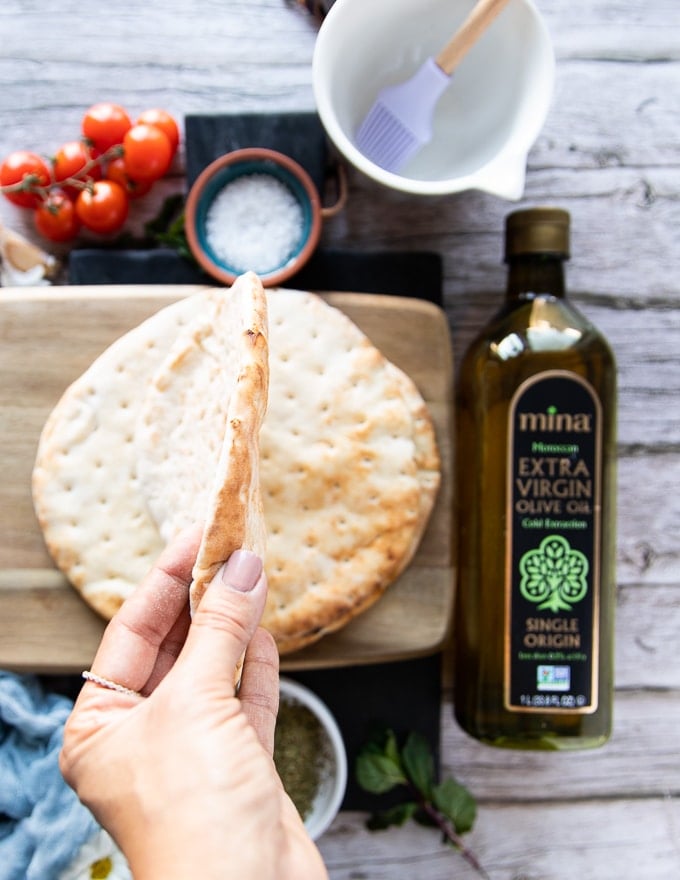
[310, 756]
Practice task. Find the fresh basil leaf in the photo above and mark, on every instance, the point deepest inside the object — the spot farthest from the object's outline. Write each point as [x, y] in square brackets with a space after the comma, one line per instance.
[169, 211]
[175, 237]
[394, 816]
[418, 762]
[378, 773]
[382, 765]
[456, 803]
[391, 747]
[167, 227]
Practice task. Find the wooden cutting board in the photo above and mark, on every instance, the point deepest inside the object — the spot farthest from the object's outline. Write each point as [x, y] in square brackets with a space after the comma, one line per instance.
[50, 335]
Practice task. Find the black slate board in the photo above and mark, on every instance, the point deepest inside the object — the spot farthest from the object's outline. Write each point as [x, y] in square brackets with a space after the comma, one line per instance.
[403, 696]
[301, 136]
[417, 274]
[298, 135]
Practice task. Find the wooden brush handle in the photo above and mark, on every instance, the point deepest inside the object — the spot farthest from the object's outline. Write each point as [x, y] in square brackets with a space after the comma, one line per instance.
[479, 19]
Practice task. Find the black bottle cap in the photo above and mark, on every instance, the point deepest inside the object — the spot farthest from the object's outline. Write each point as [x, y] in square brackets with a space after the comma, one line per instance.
[537, 231]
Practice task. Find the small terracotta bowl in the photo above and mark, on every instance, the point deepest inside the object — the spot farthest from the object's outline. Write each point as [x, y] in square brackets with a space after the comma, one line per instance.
[227, 169]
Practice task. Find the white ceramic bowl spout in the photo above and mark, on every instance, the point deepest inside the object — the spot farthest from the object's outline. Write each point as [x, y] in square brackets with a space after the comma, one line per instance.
[485, 122]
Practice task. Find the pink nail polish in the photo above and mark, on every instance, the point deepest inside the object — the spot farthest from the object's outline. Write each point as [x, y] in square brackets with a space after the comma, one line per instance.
[242, 570]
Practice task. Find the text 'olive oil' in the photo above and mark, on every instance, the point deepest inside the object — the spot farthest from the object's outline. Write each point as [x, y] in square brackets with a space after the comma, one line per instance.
[535, 453]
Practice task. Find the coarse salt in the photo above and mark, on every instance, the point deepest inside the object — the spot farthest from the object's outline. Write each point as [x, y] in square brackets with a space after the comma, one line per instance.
[254, 223]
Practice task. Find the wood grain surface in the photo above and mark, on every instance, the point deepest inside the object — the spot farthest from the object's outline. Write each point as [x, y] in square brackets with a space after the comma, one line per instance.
[610, 153]
[50, 335]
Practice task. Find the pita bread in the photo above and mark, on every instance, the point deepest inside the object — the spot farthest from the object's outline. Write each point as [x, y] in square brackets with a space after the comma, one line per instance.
[349, 467]
[220, 358]
[86, 494]
[340, 451]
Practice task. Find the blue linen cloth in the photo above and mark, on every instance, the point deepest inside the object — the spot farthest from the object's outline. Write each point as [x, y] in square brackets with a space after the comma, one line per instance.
[43, 825]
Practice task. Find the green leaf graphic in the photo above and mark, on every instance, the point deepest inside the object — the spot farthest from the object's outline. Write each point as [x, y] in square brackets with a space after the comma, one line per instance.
[554, 576]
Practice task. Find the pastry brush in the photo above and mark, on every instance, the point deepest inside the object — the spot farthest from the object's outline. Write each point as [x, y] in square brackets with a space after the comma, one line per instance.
[400, 121]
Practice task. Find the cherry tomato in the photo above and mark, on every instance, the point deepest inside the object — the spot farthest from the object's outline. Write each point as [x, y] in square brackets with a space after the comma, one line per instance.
[56, 218]
[19, 166]
[69, 161]
[163, 120]
[147, 152]
[134, 188]
[104, 208]
[105, 124]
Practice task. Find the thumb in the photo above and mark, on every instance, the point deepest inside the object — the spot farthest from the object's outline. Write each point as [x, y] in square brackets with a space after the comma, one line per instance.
[226, 619]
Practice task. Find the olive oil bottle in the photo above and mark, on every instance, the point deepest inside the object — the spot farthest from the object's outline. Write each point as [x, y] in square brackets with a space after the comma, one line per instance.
[535, 466]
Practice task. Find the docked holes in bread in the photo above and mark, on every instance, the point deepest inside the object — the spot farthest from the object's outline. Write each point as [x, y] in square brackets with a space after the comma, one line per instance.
[86, 495]
[349, 468]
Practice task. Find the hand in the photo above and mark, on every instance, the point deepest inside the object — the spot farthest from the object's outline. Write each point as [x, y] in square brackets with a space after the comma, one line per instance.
[181, 774]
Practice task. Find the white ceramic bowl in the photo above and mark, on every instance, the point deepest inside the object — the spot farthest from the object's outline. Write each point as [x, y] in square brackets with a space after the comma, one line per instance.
[487, 119]
[334, 772]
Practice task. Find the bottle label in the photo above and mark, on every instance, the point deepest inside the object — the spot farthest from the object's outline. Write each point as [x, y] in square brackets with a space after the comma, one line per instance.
[552, 553]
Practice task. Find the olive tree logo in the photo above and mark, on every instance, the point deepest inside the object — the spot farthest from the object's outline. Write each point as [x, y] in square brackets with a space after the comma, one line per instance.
[554, 575]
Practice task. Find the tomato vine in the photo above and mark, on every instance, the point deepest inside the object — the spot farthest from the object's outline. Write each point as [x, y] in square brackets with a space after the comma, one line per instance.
[90, 181]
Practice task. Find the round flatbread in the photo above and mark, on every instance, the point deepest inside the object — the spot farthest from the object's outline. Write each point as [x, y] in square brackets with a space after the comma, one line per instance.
[349, 468]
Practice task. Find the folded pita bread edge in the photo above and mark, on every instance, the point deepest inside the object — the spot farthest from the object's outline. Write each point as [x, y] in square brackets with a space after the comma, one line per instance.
[235, 517]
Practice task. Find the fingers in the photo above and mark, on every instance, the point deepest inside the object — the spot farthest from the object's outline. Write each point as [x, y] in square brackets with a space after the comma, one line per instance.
[142, 640]
[169, 650]
[259, 691]
[225, 621]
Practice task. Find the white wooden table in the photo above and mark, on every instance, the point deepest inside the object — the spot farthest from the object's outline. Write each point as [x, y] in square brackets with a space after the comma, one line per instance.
[610, 154]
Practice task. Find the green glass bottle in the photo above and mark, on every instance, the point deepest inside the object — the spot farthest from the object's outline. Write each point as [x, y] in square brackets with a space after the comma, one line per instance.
[535, 475]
